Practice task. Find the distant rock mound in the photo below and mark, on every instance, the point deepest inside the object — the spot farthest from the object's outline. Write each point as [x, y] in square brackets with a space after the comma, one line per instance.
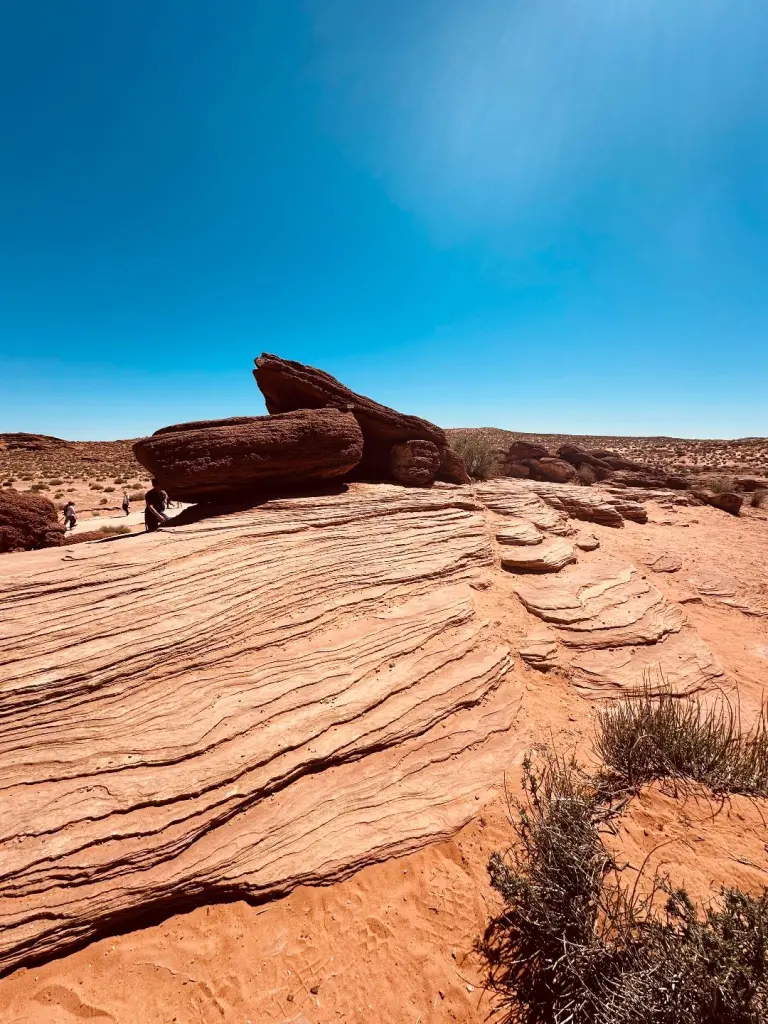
[215, 460]
[27, 522]
[32, 442]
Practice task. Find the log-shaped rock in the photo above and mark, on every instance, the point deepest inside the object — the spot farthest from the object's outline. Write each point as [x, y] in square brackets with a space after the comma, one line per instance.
[232, 459]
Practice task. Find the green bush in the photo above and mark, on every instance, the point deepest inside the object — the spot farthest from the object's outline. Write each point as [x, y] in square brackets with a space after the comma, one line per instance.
[479, 453]
[575, 947]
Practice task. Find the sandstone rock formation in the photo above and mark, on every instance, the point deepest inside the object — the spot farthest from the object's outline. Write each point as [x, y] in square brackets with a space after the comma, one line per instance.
[240, 706]
[619, 632]
[415, 463]
[28, 521]
[276, 697]
[231, 459]
[288, 386]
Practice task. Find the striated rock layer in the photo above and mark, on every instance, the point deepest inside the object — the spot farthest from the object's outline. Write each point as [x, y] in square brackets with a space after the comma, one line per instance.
[240, 705]
[217, 460]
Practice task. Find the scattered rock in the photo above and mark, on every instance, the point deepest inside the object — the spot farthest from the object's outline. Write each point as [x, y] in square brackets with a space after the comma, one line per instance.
[519, 533]
[663, 561]
[587, 542]
[550, 556]
[229, 461]
[415, 463]
[28, 521]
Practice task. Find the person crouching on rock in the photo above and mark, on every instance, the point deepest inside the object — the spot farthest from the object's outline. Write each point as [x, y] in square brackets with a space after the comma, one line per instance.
[154, 513]
[70, 519]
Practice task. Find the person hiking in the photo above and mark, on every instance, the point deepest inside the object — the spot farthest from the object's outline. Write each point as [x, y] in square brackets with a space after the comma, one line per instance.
[156, 502]
[70, 517]
[126, 503]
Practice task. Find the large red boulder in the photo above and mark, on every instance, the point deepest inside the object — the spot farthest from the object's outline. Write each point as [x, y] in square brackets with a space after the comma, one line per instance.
[580, 457]
[452, 468]
[727, 501]
[28, 521]
[288, 386]
[520, 450]
[415, 463]
[555, 471]
[220, 460]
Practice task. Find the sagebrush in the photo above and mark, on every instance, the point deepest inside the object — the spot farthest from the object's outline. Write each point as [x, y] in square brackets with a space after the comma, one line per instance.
[575, 947]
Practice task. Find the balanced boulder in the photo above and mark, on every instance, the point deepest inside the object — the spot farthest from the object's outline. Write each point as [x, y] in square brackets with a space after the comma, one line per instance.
[219, 460]
[27, 522]
[288, 386]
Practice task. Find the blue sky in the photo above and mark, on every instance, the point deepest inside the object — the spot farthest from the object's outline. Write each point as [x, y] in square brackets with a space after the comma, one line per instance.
[547, 216]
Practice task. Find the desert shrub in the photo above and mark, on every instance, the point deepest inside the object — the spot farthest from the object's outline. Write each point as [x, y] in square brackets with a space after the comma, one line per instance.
[55, 483]
[95, 487]
[758, 498]
[719, 484]
[657, 735]
[586, 474]
[58, 494]
[27, 476]
[137, 496]
[104, 501]
[575, 947]
[109, 490]
[113, 531]
[9, 482]
[479, 453]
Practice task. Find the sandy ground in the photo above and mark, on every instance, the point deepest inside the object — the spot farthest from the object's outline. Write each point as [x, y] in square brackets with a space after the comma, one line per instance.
[394, 943]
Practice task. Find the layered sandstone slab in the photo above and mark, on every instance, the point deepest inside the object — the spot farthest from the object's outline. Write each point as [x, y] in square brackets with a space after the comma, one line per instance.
[218, 460]
[618, 632]
[550, 556]
[241, 705]
[288, 385]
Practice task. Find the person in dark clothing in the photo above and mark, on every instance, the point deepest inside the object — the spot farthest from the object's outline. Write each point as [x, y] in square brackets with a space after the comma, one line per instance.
[126, 503]
[157, 501]
[70, 518]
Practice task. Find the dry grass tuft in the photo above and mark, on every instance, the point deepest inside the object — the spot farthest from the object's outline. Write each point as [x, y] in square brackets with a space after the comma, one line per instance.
[653, 735]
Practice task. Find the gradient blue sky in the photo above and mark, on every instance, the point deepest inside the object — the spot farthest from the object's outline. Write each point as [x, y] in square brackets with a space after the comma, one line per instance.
[545, 216]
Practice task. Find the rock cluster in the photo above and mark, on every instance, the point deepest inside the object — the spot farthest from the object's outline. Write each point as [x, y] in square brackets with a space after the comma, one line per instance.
[573, 464]
[317, 430]
[28, 521]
